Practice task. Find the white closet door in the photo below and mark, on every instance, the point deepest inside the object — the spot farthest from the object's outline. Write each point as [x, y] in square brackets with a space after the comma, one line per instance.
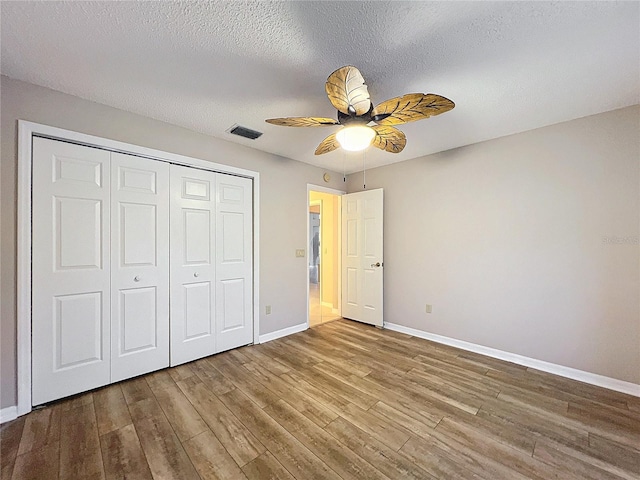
[234, 262]
[139, 266]
[70, 269]
[193, 209]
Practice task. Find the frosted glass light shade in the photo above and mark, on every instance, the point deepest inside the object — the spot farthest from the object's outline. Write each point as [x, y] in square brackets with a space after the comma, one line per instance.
[355, 138]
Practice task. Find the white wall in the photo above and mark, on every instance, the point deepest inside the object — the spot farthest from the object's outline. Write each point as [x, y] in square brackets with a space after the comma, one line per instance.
[283, 220]
[507, 240]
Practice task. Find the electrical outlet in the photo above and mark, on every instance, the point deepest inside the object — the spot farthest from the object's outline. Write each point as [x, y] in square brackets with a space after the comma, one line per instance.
[300, 252]
[428, 308]
[267, 309]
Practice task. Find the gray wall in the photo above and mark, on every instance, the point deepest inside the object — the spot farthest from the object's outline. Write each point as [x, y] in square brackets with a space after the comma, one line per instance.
[283, 277]
[507, 239]
[504, 238]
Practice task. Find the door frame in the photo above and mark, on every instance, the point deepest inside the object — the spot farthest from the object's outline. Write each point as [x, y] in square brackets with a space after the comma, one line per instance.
[26, 131]
[318, 188]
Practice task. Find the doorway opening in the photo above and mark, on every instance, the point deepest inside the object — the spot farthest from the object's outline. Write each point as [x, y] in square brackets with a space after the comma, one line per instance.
[324, 257]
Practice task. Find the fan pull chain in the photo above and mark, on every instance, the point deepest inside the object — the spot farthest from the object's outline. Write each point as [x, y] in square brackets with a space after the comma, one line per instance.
[344, 168]
[364, 171]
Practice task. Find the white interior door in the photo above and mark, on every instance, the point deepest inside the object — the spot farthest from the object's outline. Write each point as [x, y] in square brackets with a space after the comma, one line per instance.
[139, 266]
[193, 210]
[362, 256]
[234, 262]
[70, 269]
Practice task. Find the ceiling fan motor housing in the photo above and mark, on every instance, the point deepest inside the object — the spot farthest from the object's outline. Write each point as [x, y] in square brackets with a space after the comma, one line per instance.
[353, 119]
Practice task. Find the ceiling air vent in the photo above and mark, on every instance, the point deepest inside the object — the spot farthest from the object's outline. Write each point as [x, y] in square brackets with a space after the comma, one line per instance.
[244, 132]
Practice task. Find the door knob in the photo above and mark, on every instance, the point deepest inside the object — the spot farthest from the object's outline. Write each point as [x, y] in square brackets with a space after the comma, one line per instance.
[196, 274]
[136, 278]
[377, 264]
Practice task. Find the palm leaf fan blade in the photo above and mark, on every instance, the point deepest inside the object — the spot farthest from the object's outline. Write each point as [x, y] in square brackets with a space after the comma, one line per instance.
[302, 121]
[347, 91]
[329, 144]
[389, 139]
[409, 108]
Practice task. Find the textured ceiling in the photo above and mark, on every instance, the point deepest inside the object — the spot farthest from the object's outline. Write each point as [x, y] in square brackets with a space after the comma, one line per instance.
[508, 66]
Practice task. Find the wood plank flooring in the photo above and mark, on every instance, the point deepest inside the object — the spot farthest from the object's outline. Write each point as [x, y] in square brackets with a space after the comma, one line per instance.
[340, 401]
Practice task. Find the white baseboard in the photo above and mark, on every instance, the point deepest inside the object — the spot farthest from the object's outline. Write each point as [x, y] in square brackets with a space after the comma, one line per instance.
[572, 373]
[8, 413]
[267, 337]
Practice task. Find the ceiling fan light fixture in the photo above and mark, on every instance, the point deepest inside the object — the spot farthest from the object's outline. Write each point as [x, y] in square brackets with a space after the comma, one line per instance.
[355, 138]
[348, 93]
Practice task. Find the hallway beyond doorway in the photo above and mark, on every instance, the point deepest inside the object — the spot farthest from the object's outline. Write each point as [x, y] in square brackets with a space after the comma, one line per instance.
[323, 256]
[318, 313]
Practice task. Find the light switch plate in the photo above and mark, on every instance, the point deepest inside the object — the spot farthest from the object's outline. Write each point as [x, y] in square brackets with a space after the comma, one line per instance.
[267, 310]
[300, 252]
[428, 308]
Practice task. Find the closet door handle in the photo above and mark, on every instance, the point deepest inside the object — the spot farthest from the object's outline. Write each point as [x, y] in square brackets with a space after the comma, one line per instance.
[136, 278]
[196, 274]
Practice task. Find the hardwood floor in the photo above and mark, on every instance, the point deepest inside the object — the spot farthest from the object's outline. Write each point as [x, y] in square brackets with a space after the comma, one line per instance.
[343, 400]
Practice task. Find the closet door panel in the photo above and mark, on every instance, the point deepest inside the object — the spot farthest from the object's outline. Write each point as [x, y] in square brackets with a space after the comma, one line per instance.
[192, 264]
[70, 270]
[139, 266]
[138, 321]
[234, 262]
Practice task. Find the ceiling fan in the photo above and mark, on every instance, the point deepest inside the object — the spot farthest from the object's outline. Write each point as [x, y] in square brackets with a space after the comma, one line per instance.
[365, 124]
